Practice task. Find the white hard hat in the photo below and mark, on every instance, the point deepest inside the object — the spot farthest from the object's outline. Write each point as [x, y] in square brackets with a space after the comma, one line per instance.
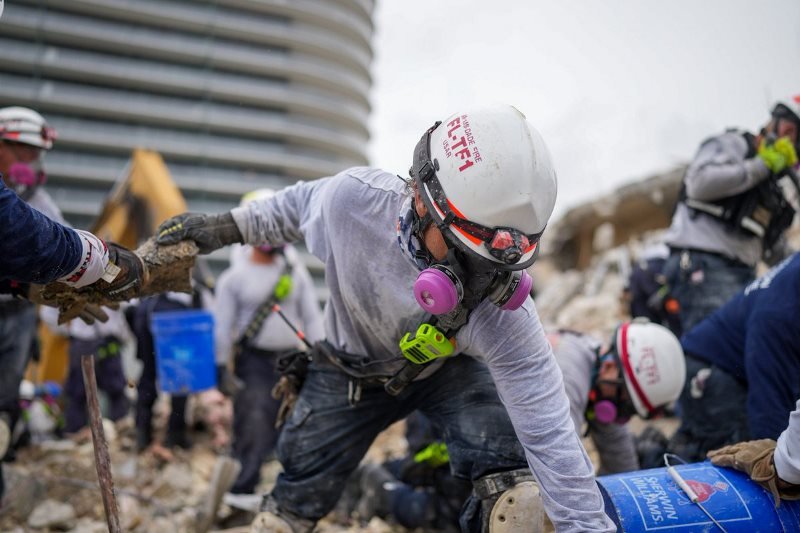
[653, 364]
[27, 390]
[483, 172]
[26, 126]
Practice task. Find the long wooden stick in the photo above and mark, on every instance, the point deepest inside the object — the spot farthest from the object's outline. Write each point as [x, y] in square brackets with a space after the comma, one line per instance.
[101, 458]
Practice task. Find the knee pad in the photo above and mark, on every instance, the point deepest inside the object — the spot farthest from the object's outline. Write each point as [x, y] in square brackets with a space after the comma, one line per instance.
[511, 502]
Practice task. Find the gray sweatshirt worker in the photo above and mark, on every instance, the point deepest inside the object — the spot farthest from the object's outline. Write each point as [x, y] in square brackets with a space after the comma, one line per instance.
[501, 411]
[576, 355]
[372, 305]
[711, 257]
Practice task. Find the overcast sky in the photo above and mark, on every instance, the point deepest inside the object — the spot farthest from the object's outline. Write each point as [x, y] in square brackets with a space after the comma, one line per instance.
[619, 89]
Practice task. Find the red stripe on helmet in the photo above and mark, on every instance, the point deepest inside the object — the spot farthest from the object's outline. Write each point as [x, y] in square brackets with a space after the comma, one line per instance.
[626, 365]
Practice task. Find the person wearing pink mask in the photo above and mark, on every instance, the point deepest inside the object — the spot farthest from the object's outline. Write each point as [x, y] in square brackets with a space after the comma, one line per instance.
[639, 372]
[251, 338]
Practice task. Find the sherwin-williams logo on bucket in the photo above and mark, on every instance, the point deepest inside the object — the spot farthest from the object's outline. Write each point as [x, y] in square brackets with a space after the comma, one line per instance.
[662, 504]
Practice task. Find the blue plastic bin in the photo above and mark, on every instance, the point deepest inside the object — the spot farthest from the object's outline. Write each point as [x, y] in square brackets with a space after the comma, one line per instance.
[649, 500]
[184, 343]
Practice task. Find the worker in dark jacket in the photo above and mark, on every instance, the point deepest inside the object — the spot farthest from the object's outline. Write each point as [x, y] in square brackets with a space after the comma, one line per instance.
[743, 366]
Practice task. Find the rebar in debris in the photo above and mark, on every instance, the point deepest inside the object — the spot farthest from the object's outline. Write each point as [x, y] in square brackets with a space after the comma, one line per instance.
[101, 458]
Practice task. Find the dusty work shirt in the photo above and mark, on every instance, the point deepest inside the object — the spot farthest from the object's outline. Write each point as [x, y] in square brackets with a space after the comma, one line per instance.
[576, 354]
[242, 288]
[787, 453]
[719, 170]
[349, 221]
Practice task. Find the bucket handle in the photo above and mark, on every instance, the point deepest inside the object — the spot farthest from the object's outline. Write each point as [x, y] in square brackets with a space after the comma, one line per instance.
[677, 478]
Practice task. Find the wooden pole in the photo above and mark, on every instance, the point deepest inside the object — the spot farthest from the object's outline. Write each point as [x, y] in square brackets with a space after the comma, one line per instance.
[101, 458]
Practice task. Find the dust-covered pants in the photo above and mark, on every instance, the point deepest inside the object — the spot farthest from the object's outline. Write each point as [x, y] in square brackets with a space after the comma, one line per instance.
[17, 330]
[325, 437]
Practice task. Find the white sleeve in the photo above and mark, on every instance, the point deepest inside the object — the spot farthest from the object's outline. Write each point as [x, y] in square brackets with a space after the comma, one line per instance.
[93, 263]
[225, 309]
[787, 454]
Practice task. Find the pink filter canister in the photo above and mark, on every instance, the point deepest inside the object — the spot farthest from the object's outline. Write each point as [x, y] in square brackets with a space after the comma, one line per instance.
[435, 292]
[605, 412]
[520, 293]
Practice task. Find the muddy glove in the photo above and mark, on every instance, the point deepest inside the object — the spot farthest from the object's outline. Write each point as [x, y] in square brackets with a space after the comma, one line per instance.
[209, 232]
[227, 383]
[89, 313]
[755, 459]
[125, 274]
[778, 155]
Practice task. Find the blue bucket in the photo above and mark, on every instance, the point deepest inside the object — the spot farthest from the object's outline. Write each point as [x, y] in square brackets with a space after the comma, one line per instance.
[184, 343]
[649, 500]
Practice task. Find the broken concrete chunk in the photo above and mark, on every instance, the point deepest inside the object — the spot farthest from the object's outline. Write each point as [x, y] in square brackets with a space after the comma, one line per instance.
[52, 515]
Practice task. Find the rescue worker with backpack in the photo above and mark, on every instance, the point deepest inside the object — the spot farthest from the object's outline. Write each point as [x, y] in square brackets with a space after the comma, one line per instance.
[731, 211]
[419, 272]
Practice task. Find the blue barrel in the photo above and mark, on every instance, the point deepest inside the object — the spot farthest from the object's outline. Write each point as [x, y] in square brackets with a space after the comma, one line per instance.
[184, 343]
[649, 500]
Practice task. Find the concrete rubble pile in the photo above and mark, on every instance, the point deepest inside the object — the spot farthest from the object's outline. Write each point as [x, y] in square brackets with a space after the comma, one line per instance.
[53, 486]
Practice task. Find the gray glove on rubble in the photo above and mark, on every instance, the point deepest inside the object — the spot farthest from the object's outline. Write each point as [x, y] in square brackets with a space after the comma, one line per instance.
[209, 232]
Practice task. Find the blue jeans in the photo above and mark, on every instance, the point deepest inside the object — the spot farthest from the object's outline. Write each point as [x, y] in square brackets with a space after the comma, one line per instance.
[714, 407]
[325, 437]
[17, 330]
[703, 282]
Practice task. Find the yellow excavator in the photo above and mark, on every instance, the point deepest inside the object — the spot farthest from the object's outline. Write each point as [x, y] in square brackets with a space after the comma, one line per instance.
[140, 200]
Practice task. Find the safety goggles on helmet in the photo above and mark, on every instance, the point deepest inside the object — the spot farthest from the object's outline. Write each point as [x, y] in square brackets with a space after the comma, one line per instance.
[507, 245]
[17, 133]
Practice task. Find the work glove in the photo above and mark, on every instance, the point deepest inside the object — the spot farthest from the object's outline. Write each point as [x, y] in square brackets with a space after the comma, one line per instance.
[778, 155]
[209, 232]
[89, 313]
[227, 383]
[125, 275]
[755, 458]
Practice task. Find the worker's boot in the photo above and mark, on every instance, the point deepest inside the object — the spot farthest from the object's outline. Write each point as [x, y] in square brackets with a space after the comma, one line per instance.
[272, 520]
[377, 485]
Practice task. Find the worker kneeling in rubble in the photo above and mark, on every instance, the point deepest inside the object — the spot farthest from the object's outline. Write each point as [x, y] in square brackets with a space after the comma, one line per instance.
[743, 366]
[639, 372]
[437, 265]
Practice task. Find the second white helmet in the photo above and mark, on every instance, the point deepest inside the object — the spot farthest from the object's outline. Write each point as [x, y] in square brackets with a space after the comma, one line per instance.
[25, 126]
[487, 178]
[653, 365]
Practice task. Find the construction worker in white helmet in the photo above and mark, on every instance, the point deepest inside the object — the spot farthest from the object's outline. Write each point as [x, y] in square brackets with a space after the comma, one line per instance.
[641, 371]
[420, 271]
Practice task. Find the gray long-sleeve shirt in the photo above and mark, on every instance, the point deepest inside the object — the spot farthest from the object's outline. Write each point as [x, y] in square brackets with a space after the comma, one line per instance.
[720, 169]
[349, 222]
[242, 288]
[576, 355]
[787, 453]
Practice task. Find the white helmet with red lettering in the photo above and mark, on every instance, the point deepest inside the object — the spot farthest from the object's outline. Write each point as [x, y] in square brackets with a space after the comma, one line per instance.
[653, 364]
[25, 126]
[487, 179]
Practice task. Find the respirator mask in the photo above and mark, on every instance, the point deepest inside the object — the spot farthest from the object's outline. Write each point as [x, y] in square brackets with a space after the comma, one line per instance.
[462, 277]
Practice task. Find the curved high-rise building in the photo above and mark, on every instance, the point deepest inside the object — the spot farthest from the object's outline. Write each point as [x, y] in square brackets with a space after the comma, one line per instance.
[235, 94]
